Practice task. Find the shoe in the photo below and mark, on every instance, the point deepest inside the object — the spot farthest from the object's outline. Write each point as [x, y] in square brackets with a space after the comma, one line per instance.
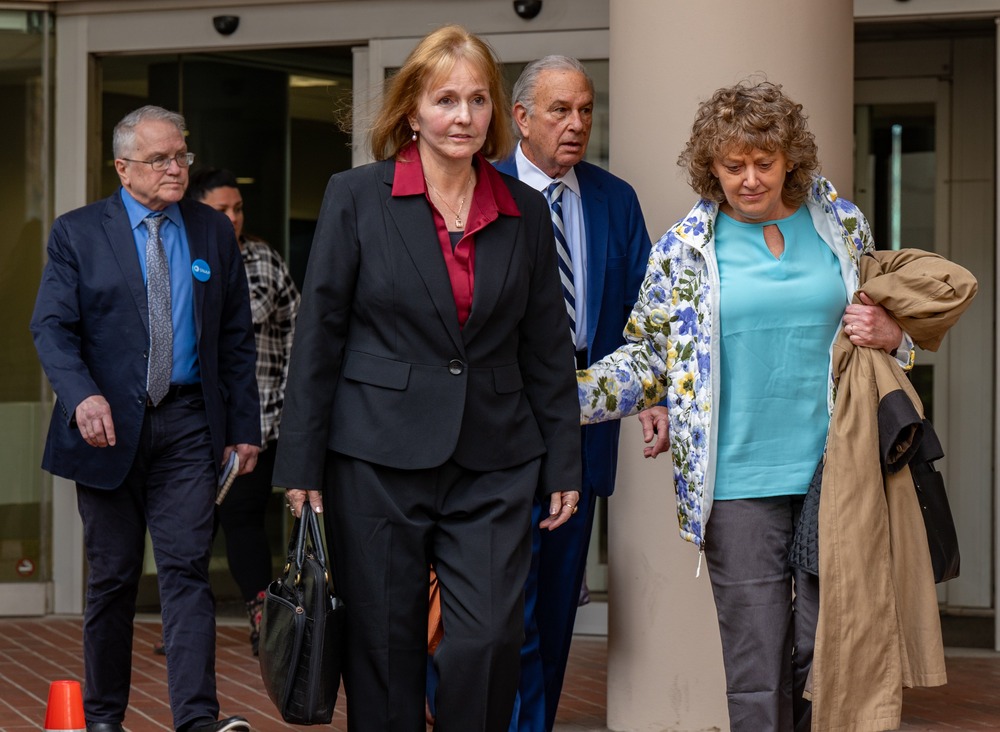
[229, 724]
[104, 727]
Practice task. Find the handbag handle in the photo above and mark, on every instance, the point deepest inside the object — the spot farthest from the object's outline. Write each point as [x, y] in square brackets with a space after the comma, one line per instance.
[308, 525]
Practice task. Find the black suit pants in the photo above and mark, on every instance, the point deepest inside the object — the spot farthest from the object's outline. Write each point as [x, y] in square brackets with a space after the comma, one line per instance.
[243, 518]
[171, 490]
[385, 526]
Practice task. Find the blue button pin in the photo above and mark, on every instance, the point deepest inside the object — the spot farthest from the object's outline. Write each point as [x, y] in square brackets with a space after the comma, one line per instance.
[201, 270]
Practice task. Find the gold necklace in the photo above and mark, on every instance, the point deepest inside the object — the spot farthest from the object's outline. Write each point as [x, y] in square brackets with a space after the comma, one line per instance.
[459, 224]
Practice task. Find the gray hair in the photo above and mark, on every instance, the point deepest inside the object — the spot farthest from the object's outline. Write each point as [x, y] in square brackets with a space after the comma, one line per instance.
[525, 86]
[123, 140]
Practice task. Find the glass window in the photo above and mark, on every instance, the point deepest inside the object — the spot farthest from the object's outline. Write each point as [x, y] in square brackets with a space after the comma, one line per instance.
[25, 214]
[900, 173]
[897, 180]
[269, 116]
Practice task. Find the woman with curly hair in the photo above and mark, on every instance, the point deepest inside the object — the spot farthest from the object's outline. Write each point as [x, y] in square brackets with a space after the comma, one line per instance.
[735, 323]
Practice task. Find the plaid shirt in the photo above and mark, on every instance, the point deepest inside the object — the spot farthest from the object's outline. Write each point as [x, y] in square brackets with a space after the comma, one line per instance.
[274, 302]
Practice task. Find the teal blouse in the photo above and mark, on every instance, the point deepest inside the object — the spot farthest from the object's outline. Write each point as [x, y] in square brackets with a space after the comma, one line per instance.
[778, 319]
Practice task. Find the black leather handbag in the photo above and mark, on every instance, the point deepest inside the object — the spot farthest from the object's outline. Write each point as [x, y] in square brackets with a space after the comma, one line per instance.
[301, 631]
[942, 539]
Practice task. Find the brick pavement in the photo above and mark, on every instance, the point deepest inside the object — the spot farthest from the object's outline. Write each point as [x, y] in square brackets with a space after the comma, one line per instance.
[36, 651]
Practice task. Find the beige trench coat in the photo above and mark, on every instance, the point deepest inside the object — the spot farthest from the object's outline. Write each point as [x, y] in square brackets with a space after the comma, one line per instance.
[879, 628]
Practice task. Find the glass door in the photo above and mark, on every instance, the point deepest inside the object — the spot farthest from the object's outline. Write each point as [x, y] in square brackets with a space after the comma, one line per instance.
[903, 184]
[898, 177]
[25, 215]
[269, 116]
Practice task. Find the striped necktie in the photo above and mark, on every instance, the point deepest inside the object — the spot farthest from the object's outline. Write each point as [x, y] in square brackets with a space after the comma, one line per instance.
[161, 328]
[554, 194]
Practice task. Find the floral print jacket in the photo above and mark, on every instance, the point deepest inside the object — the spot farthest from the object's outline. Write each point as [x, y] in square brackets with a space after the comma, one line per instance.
[671, 347]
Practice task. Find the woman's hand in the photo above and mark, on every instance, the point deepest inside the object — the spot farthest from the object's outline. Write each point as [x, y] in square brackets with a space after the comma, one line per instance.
[869, 326]
[296, 499]
[562, 506]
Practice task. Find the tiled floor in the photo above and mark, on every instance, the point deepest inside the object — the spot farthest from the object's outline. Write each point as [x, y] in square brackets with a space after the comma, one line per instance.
[36, 651]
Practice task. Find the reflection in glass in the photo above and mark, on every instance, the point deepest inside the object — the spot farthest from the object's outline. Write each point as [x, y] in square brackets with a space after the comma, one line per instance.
[896, 180]
[25, 213]
[896, 183]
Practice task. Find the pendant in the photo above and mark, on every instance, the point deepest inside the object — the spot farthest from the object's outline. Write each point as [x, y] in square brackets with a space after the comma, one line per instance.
[459, 224]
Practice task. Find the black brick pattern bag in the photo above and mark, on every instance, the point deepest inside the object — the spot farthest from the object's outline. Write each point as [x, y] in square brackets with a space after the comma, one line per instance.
[302, 630]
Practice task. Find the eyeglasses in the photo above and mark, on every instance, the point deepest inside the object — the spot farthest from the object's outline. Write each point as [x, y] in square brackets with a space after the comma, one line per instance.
[184, 160]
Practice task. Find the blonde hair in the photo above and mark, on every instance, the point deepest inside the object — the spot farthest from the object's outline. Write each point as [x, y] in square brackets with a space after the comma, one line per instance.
[749, 116]
[433, 58]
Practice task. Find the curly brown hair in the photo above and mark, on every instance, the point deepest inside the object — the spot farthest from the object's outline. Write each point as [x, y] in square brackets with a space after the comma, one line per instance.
[750, 116]
[433, 58]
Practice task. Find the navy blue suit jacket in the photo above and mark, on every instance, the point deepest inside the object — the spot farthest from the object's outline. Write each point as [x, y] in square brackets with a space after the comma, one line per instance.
[617, 252]
[91, 331]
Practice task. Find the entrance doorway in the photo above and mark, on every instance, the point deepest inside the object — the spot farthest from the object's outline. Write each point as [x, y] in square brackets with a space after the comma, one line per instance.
[919, 139]
[274, 117]
[271, 117]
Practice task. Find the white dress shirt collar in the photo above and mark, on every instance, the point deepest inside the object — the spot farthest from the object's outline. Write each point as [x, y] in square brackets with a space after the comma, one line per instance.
[531, 174]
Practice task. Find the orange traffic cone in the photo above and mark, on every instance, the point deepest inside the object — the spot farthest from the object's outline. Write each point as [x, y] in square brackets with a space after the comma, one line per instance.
[65, 710]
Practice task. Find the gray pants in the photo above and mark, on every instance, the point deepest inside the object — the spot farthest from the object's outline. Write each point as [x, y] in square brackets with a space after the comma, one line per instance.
[767, 612]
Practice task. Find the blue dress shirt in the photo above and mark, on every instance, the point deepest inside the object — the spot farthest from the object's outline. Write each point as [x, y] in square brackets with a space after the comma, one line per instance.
[175, 244]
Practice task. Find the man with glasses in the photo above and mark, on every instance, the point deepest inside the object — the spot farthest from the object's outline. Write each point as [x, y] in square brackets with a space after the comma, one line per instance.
[143, 327]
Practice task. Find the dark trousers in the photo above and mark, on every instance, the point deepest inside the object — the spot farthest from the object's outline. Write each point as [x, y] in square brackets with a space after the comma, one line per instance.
[242, 516]
[170, 490]
[767, 612]
[551, 599]
[385, 527]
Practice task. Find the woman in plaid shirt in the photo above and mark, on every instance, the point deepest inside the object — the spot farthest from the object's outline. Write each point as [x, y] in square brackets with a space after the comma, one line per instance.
[274, 302]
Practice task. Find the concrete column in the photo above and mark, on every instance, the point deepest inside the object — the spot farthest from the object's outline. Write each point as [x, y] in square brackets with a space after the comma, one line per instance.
[664, 656]
[70, 190]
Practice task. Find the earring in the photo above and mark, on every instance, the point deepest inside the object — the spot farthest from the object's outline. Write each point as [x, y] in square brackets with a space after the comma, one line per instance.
[414, 136]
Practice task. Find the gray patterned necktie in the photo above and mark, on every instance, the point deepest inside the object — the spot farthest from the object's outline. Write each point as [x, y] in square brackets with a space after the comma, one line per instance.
[554, 194]
[161, 328]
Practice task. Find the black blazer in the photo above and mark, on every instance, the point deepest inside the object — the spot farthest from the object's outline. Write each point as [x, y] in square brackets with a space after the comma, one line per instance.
[91, 331]
[380, 369]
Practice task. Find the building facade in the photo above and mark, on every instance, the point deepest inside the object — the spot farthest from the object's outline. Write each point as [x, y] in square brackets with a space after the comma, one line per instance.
[902, 96]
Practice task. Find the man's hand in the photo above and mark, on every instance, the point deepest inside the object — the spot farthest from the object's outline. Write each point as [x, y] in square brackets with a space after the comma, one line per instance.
[655, 423]
[93, 419]
[562, 506]
[296, 499]
[247, 455]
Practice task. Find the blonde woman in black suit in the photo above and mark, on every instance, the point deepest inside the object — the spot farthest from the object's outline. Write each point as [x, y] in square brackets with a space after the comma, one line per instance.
[432, 393]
